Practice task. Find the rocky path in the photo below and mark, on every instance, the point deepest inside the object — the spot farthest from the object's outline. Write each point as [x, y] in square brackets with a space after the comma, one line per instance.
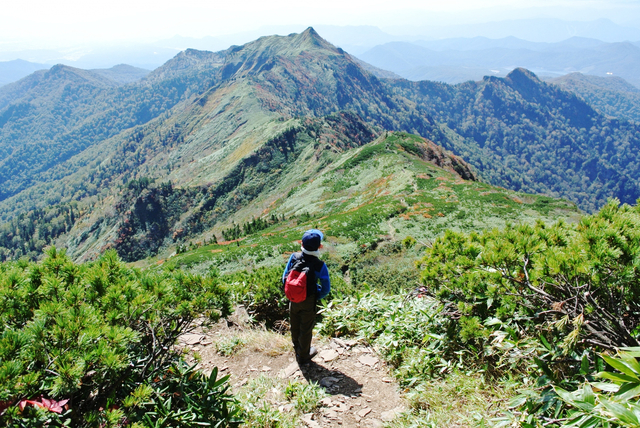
[360, 391]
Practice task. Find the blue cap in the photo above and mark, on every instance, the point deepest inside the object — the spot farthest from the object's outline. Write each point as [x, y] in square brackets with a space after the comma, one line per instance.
[312, 239]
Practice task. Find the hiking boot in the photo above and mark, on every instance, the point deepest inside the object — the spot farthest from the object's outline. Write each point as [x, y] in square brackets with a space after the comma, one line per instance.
[312, 353]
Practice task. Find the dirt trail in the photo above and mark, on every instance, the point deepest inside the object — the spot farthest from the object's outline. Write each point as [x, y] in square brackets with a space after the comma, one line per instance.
[361, 393]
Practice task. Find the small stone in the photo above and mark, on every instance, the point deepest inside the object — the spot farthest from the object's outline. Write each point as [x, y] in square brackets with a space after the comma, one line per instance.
[357, 418]
[368, 360]
[288, 407]
[341, 343]
[328, 355]
[223, 369]
[330, 414]
[191, 339]
[358, 365]
[308, 420]
[289, 370]
[375, 423]
[387, 380]
[389, 415]
[266, 368]
[326, 402]
[342, 407]
[364, 412]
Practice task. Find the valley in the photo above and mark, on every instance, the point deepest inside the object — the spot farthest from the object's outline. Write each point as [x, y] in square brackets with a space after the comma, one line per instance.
[481, 236]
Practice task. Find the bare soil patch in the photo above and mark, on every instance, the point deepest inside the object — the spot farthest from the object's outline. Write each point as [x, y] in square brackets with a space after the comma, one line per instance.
[361, 392]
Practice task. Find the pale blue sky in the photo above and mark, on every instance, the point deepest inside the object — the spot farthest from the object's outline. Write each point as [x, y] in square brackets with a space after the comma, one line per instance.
[46, 23]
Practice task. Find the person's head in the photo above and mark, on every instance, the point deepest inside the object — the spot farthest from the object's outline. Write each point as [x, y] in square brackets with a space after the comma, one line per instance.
[312, 240]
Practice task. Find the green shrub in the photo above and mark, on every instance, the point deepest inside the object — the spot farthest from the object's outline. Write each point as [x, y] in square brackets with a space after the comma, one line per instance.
[304, 396]
[229, 346]
[261, 292]
[96, 335]
[577, 281]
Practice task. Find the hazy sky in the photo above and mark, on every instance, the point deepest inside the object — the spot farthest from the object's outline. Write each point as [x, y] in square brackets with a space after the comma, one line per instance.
[46, 23]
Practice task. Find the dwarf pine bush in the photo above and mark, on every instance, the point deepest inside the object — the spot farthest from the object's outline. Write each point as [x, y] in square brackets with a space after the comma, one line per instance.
[99, 337]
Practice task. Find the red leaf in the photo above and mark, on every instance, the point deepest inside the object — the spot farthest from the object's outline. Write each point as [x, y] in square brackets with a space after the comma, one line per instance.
[45, 403]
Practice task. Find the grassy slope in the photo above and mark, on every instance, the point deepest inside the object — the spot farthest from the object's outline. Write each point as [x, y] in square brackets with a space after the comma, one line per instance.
[368, 201]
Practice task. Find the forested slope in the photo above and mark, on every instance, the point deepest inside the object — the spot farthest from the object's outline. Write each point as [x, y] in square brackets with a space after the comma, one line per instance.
[527, 135]
[204, 122]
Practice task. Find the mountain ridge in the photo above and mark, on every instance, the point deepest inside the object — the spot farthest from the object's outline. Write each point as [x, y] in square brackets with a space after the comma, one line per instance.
[204, 119]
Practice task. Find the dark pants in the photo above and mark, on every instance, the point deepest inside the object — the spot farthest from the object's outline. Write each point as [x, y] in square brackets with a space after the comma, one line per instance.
[302, 317]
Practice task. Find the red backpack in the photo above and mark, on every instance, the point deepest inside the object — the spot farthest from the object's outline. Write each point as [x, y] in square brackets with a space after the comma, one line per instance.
[295, 285]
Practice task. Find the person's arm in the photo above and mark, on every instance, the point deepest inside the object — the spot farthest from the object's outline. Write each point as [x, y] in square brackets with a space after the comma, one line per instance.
[286, 269]
[324, 283]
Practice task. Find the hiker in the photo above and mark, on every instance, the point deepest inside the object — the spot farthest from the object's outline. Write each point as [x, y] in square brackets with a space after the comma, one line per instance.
[302, 306]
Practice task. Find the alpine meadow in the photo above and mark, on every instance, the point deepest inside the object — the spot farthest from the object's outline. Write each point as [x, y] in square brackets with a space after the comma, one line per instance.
[483, 241]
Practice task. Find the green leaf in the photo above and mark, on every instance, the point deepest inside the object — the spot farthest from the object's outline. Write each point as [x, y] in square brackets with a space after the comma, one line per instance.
[587, 394]
[221, 381]
[622, 366]
[517, 401]
[212, 377]
[590, 421]
[606, 386]
[492, 321]
[584, 364]
[545, 342]
[631, 362]
[620, 412]
[544, 367]
[581, 400]
[629, 391]
[632, 351]
[616, 377]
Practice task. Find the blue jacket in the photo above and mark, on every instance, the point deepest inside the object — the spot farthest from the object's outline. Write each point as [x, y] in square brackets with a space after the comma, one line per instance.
[323, 284]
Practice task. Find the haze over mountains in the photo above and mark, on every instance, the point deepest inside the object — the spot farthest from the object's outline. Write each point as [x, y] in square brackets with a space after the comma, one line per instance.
[464, 52]
[458, 60]
[222, 134]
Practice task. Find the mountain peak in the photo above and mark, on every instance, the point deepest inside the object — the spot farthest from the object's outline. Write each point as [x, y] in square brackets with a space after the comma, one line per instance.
[520, 75]
[310, 38]
[65, 73]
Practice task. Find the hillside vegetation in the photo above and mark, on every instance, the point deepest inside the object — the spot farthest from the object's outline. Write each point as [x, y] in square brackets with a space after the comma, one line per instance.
[543, 305]
[75, 136]
[612, 96]
[526, 135]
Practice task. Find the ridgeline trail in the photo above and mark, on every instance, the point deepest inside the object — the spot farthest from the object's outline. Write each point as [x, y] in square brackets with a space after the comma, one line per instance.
[360, 390]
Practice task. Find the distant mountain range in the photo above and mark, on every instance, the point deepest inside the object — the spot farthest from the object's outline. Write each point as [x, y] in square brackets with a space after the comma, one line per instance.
[528, 34]
[11, 71]
[211, 138]
[458, 60]
[546, 30]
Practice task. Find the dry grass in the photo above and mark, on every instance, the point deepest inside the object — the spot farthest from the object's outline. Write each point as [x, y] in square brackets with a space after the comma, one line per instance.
[267, 342]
